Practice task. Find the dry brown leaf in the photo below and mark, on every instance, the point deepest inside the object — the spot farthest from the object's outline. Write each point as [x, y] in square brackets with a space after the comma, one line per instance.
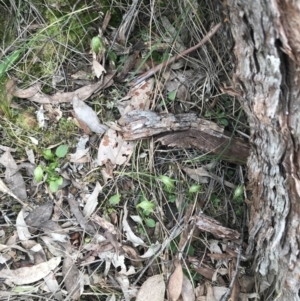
[98, 69]
[114, 149]
[50, 280]
[175, 283]
[187, 292]
[71, 278]
[86, 114]
[39, 216]
[138, 98]
[209, 292]
[30, 274]
[129, 292]
[219, 291]
[92, 201]
[54, 230]
[55, 248]
[152, 289]
[129, 233]
[34, 93]
[21, 226]
[13, 177]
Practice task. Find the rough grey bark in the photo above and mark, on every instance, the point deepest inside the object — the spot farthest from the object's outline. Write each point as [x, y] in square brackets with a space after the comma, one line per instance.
[267, 45]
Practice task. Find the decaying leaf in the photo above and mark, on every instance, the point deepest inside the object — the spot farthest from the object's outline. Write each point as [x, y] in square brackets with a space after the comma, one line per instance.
[34, 93]
[30, 274]
[55, 247]
[187, 292]
[175, 283]
[51, 284]
[82, 152]
[129, 292]
[87, 115]
[138, 98]
[209, 292]
[72, 278]
[21, 226]
[5, 189]
[92, 201]
[13, 177]
[152, 289]
[98, 69]
[128, 232]
[151, 251]
[39, 216]
[114, 149]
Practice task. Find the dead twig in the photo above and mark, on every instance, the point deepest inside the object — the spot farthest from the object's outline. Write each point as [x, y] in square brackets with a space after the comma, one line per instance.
[154, 70]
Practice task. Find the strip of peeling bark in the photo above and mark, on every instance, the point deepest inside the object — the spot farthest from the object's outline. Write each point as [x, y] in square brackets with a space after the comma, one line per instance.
[266, 36]
[186, 131]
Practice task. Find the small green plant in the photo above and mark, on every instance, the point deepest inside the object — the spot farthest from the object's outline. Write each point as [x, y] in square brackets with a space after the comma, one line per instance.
[219, 115]
[145, 208]
[215, 200]
[53, 178]
[114, 200]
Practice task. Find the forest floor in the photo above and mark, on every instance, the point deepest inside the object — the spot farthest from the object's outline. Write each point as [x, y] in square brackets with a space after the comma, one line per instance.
[122, 153]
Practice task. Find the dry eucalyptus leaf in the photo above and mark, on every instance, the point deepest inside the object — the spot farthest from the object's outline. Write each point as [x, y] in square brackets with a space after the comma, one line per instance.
[13, 177]
[175, 283]
[187, 292]
[39, 216]
[138, 98]
[209, 292]
[71, 278]
[152, 289]
[34, 93]
[153, 249]
[21, 226]
[87, 115]
[200, 174]
[30, 274]
[129, 233]
[55, 248]
[6, 190]
[92, 201]
[129, 292]
[114, 149]
[50, 280]
[98, 69]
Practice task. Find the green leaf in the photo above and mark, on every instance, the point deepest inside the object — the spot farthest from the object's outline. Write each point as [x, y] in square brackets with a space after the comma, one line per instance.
[55, 183]
[146, 205]
[53, 186]
[23, 289]
[172, 95]
[114, 200]
[61, 151]
[150, 222]
[112, 56]
[59, 180]
[238, 192]
[48, 155]
[224, 122]
[38, 174]
[97, 45]
[169, 183]
[195, 188]
[9, 61]
[172, 198]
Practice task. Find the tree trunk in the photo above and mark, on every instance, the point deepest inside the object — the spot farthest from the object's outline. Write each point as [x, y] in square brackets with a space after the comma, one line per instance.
[267, 73]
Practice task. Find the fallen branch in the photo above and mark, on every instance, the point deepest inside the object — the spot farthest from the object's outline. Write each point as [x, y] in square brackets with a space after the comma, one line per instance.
[186, 131]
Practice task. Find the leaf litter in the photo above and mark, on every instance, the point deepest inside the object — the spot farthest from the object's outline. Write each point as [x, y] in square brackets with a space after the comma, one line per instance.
[94, 235]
